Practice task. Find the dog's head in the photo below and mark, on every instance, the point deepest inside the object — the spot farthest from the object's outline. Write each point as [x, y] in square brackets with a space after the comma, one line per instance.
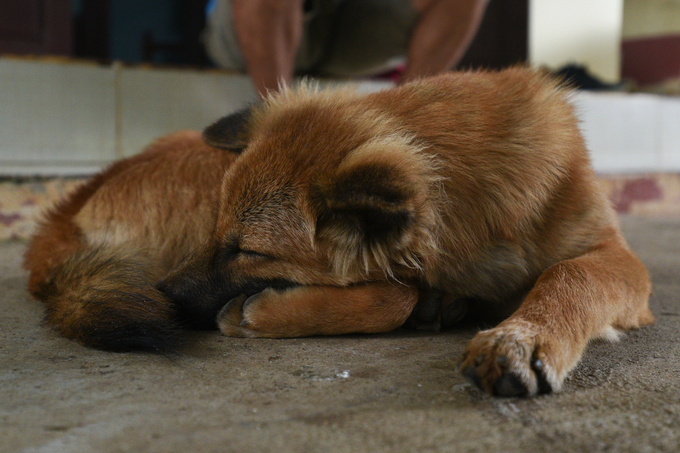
[327, 191]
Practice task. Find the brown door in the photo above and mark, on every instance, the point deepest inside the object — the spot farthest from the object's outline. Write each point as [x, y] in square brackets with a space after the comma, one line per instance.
[35, 27]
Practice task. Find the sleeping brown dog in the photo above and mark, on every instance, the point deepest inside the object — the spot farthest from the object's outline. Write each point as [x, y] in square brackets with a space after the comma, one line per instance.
[473, 190]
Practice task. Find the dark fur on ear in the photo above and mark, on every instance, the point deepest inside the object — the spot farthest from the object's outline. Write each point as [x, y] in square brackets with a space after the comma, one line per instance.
[371, 200]
[376, 209]
[230, 132]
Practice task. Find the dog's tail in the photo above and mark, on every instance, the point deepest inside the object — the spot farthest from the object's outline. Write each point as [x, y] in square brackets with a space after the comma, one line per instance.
[105, 298]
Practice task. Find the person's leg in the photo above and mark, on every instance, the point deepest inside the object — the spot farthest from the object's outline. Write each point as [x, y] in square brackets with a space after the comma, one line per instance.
[442, 35]
[269, 34]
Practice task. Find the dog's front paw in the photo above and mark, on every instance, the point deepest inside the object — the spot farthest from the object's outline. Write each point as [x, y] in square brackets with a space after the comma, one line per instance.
[510, 360]
[239, 317]
[272, 313]
[303, 311]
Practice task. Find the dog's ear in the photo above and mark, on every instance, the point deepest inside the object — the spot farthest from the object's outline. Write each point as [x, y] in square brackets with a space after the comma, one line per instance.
[375, 197]
[231, 132]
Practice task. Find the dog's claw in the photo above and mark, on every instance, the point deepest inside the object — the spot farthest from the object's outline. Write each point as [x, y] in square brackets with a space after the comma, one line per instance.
[539, 370]
[231, 315]
[471, 375]
[537, 365]
[509, 385]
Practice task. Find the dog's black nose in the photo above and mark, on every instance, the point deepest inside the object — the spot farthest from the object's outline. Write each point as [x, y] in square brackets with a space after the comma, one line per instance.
[196, 302]
[173, 291]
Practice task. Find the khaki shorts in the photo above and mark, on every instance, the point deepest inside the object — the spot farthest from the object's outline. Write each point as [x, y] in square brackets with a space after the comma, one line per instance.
[340, 37]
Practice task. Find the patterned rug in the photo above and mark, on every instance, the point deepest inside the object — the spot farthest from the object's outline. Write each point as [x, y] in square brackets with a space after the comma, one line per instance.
[23, 200]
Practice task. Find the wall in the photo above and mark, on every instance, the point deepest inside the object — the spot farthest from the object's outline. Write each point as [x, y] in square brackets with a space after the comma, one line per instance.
[645, 18]
[586, 32]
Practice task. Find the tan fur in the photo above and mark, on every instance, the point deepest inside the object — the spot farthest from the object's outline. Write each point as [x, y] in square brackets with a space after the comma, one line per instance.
[502, 207]
[95, 258]
[319, 310]
[477, 185]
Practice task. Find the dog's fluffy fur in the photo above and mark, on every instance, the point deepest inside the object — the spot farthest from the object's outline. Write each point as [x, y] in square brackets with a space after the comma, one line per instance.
[473, 189]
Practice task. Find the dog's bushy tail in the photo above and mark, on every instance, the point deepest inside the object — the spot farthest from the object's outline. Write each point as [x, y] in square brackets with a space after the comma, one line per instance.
[105, 298]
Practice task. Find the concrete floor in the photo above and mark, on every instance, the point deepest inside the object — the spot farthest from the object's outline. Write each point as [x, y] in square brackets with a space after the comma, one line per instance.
[383, 393]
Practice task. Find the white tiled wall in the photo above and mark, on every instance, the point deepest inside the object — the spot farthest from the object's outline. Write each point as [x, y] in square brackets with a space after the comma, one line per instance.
[585, 32]
[61, 118]
[669, 141]
[55, 116]
[72, 118]
[629, 133]
[156, 102]
[645, 18]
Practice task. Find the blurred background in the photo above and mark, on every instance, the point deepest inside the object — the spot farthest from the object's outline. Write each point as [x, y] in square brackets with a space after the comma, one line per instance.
[86, 82]
[637, 40]
[168, 31]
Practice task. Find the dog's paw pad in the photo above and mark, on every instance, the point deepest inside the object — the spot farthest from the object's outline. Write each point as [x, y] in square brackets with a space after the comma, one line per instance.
[509, 385]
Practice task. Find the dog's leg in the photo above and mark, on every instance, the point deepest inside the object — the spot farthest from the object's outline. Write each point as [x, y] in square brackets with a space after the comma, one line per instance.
[595, 295]
[319, 310]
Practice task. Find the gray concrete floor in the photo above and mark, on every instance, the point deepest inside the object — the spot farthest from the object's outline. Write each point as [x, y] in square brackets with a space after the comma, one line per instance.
[383, 393]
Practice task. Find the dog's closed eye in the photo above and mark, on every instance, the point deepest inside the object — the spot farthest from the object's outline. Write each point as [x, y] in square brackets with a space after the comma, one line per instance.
[253, 254]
